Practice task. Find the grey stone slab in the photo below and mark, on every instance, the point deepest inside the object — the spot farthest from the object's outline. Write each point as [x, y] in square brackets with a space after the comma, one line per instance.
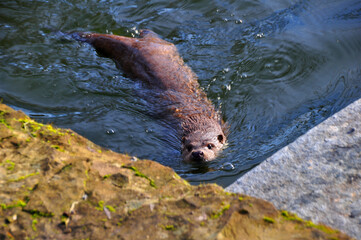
[318, 176]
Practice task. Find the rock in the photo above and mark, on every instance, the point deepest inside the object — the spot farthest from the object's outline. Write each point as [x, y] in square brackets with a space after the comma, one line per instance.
[318, 176]
[56, 184]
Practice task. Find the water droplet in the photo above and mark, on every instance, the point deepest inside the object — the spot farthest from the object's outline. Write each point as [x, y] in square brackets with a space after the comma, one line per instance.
[85, 197]
[260, 35]
[110, 131]
[227, 167]
[107, 212]
[268, 65]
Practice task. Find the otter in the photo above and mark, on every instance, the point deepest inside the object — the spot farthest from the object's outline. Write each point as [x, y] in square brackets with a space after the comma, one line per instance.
[157, 64]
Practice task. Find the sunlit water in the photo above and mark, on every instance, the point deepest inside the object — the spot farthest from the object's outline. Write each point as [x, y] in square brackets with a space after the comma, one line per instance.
[275, 68]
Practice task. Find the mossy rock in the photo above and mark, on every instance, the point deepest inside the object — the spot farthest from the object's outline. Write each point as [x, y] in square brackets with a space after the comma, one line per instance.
[59, 185]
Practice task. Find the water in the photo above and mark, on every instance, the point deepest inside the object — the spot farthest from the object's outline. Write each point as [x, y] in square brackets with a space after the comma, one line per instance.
[274, 68]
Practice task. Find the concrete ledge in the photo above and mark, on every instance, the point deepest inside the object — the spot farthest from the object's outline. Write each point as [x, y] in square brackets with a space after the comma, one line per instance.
[318, 176]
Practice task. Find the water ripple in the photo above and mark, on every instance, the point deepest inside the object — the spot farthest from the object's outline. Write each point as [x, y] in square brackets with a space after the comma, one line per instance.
[275, 61]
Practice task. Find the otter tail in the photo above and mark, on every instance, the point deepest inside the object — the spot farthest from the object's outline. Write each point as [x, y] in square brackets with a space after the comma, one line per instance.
[106, 45]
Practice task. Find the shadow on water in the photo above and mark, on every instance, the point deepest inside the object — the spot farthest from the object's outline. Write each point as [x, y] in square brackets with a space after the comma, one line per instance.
[274, 68]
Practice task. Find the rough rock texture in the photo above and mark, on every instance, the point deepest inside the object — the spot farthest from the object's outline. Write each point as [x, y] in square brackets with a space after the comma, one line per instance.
[57, 185]
[318, 176]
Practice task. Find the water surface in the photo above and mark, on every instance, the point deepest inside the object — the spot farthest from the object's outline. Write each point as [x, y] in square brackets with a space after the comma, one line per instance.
[274, 68]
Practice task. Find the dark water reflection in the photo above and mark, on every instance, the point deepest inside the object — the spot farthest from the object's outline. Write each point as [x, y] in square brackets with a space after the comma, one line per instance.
[275, 68]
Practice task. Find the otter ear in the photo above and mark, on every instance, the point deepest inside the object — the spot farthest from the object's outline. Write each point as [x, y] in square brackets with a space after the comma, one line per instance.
[220, 138]
[183, 139]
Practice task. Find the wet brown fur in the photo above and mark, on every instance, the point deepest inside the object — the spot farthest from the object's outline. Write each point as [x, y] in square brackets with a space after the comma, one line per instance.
[157, 63]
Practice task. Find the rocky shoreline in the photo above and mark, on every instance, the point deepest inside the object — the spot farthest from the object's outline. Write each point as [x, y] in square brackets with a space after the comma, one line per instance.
[318, 176]
[59, 185]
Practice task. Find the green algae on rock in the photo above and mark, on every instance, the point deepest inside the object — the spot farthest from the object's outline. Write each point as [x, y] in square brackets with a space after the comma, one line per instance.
[87, 192]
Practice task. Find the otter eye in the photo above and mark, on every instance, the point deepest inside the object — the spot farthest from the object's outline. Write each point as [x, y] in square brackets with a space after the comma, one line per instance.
[210, 146]
[189, 148]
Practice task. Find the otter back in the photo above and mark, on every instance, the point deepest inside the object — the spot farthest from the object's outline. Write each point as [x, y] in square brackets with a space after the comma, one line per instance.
[157, 63]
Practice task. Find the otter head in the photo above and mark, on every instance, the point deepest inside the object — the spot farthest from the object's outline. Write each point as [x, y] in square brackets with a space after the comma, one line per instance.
[201, 146]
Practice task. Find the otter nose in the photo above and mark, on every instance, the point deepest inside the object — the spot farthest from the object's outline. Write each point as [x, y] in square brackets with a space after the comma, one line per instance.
[198, 156]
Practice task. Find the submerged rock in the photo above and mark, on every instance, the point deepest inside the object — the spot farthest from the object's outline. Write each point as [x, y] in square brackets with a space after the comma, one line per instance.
[56, 184]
